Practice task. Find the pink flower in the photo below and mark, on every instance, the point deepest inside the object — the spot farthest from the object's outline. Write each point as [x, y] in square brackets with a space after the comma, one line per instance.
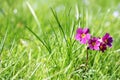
[94, 43]
[107, 39]
[102, 47]
[82, 35]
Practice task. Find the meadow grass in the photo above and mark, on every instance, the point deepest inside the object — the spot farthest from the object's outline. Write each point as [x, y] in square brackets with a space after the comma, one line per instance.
[37, 39]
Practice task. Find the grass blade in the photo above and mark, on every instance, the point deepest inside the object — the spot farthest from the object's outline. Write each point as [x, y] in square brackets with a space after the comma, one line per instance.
[53, 31]
[33, 13]
[14, 77]
[3, 42]
[39, 39]
[59, 25]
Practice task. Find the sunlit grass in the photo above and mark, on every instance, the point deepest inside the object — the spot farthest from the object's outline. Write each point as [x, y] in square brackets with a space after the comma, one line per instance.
[37, 40]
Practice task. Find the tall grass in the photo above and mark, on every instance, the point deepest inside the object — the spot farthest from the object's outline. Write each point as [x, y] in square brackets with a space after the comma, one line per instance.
[37, 42]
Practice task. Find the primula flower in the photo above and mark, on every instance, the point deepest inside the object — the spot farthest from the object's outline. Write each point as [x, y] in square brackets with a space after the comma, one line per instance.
[94, 43]
[102, 47]
[107, 39]
[82, 35]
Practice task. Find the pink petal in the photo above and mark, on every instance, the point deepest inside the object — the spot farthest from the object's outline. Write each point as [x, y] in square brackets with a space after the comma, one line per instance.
[97, 43]
[107, 35]
[77, 37]
[96, 47]
[83, 41]
[91, 47]
[79, 30]
[86, 30]
[88, 36]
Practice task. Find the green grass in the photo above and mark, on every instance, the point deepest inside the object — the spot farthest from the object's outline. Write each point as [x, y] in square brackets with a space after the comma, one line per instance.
[37, 40]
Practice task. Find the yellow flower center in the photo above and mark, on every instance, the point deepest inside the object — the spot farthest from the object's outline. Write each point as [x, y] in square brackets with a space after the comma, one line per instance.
[106, 41]
[83, 35]
[101, 47]
[93, 43]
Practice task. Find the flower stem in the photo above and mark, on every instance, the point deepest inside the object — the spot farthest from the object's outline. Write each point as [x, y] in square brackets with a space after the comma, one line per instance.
[87, 57]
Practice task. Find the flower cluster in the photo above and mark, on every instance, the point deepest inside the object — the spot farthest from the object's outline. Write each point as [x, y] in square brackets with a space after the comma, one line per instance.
[94, 43]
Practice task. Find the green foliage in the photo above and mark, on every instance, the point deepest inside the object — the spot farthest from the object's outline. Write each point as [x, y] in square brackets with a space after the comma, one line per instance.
[37, 39]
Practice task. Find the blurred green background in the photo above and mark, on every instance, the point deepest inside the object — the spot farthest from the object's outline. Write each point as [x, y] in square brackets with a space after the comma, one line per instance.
[23, 57]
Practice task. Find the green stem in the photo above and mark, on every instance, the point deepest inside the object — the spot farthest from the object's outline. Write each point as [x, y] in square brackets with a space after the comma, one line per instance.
[87, 57]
